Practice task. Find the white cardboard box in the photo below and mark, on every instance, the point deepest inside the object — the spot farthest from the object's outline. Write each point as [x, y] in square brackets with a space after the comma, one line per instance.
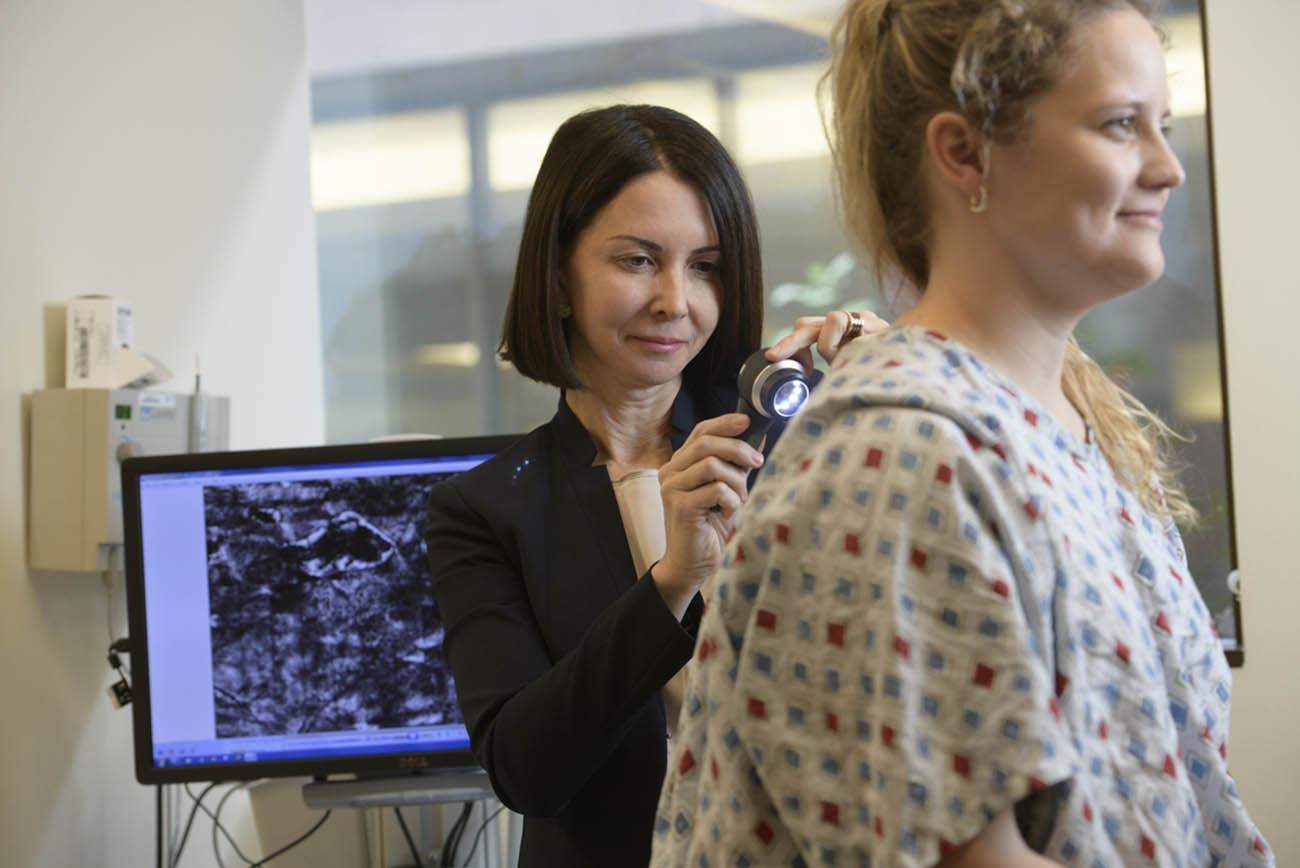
[98, 328]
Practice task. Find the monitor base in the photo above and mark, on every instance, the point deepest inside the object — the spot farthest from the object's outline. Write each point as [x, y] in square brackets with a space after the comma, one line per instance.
[455, 785]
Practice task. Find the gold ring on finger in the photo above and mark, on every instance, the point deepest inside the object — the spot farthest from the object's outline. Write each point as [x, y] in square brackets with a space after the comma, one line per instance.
[855, 329]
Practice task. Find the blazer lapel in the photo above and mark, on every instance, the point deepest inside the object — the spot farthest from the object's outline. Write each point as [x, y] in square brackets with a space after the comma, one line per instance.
[589, 562]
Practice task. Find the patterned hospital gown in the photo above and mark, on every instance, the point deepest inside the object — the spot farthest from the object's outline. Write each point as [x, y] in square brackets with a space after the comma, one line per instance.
[938, 601]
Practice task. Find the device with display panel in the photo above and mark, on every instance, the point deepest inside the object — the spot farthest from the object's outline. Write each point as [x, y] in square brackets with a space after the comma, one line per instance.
[281, 614]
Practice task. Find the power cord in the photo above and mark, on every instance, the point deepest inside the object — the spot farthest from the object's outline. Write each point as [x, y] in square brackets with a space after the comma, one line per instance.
[474, 845]
[217, 826]
[295, 842]
[410, 842]
[452, 842]
[189, 823]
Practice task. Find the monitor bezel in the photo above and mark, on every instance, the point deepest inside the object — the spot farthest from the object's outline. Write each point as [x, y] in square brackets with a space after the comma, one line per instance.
[133, 469]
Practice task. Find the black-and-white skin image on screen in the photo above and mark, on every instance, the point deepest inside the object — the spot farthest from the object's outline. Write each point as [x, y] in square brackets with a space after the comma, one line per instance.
[289, 611]
[322, 617]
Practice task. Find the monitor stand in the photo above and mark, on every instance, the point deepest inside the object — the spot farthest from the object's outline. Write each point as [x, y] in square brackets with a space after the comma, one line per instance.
[420, 788]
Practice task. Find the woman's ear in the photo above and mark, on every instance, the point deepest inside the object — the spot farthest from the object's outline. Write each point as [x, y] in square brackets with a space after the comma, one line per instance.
[956, 152]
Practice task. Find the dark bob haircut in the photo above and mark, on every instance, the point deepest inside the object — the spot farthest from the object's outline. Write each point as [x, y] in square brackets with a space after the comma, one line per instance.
[592, 156]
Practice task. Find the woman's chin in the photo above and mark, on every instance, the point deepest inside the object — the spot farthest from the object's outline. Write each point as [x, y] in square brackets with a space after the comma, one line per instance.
[661, 376]
[1146, 272]
[638, 374]
[1138, 269]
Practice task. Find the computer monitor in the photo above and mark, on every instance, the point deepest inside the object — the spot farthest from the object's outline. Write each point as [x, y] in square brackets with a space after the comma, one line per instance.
[281, 613]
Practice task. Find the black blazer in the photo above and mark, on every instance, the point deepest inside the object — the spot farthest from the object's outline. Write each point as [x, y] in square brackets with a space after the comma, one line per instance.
[558, 648]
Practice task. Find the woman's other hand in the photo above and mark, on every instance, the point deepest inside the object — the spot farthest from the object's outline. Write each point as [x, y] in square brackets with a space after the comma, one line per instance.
[702, 486]
[829, 333]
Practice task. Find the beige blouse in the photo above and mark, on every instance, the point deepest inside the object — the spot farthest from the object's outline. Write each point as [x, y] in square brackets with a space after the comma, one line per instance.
[642, 510]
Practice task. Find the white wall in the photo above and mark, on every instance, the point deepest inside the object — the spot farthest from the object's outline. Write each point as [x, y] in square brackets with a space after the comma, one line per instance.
[1254, 79]
[155, 150]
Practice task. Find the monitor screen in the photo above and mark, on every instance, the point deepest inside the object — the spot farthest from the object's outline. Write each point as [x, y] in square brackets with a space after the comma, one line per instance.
[282, 617]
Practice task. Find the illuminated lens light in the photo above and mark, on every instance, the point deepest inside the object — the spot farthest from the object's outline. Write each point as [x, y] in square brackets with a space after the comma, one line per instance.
[789, 397]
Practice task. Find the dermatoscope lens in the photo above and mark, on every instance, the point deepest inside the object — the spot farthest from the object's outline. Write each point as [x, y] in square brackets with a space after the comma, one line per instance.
[789, 397]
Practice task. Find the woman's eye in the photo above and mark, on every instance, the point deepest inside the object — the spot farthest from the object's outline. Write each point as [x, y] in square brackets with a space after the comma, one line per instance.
[638, 261]
[1124, 124]
[706, 266]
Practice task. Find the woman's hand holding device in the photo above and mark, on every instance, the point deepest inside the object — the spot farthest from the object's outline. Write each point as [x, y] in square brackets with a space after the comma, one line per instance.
[702, 485]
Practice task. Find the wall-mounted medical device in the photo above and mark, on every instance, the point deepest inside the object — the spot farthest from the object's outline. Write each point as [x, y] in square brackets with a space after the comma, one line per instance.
[79, 437]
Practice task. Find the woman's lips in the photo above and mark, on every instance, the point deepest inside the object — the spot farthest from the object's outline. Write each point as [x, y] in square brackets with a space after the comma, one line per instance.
[1145, 218]
[659, 345]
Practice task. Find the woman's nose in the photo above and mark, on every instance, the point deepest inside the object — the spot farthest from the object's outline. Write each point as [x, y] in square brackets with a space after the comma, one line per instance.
[670, 294]
[1163, 170]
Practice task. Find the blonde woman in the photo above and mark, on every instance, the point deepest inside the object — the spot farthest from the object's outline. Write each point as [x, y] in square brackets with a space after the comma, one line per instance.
[955, 625]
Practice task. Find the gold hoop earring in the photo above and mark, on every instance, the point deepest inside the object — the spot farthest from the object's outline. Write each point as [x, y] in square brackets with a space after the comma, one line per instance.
[979, 203]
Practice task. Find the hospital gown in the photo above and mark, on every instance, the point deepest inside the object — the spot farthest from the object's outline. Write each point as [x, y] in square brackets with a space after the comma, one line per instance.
[937, 602]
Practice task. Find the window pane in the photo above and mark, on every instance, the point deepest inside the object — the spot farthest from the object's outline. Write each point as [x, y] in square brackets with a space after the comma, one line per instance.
[430, 123]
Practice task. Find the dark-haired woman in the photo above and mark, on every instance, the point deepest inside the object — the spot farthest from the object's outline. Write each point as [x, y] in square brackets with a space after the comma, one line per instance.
[568, 568]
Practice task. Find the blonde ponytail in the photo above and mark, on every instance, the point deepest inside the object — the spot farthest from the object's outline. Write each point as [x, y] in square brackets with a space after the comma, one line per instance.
[855, 132]
[1135, 441]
